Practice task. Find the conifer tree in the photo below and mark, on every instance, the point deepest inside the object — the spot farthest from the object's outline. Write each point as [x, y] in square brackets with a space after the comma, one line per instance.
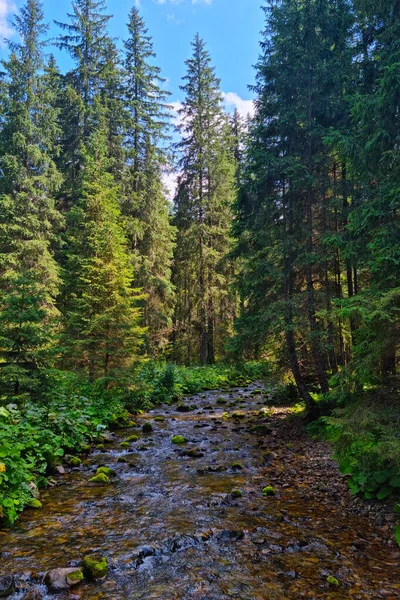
[203, 214]
[144, 203]
[102, 323]
[293, 189]
[29, 279]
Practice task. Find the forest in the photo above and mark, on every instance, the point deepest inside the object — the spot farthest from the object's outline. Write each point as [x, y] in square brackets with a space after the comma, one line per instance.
[276, 260]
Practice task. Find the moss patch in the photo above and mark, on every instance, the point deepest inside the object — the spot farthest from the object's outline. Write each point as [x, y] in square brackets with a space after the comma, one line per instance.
[101, 479]
[268, 491]
[178, 439]
[96, 566]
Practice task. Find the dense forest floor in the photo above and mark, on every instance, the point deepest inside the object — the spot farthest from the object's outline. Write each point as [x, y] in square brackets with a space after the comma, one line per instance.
[247, 506]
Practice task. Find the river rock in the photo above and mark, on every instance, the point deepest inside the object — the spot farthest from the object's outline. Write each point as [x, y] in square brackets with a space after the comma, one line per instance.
[95, 566]
[58, 580]
[6, 586]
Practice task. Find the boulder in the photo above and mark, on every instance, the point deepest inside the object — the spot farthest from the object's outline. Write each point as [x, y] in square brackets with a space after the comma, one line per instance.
[95, 566]
[58, 580]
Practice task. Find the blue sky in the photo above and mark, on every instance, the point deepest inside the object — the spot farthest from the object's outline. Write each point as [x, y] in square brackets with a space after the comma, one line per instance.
[231, 29]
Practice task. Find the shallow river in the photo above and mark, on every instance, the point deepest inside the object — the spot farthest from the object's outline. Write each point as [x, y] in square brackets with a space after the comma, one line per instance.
[172, 530]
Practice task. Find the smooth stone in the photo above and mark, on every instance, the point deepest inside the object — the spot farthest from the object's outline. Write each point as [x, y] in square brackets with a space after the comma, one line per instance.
[58, 580]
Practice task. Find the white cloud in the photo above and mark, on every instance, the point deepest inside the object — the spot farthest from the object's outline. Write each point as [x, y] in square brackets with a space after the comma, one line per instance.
[170, 181]
[233, 100]
[7, 8]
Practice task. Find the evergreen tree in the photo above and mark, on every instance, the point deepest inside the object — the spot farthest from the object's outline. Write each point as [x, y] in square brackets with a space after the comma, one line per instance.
[203, 214]
[371, 145]
[29, 279]
[144, 203]
[293, 191]
[102, 323]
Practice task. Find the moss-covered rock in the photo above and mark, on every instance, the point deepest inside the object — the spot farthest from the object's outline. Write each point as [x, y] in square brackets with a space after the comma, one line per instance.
[95, 566]
[121, 459]
[268, 491]
[237, 466]
[179, 439]
[106, 471]
[33, 503]
[332, 581]
[100, 446]
[100, 479]
[74, 461]
[222, 401]
[236, 493]
[132, 438]
[147, 427]
[124, 445]
[159, 419]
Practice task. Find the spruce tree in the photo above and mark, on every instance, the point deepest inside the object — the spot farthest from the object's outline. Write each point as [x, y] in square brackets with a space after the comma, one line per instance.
[292, 190]
[203, 214]
[144, 202]
[29, 278]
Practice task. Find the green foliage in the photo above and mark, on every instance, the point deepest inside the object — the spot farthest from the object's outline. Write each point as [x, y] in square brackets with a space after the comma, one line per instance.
[367, 447]
[33, 439]
[158, 383]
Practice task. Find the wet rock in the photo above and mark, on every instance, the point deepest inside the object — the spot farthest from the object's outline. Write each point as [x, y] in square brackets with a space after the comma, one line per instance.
[100, 447]
[95, 566]
[178, 439]
[60, 470]
[159, 419]
[268, 491]
[237, 466]
[6, 586]
[106, 471]
[107, 437]
[121, 459]
[132, 438]
[58, 580]
[142, 553]
[184, 408]
[236, 493]
[192, 453]
[73, 461]
[147, 427]
[100, 479]
[332, 581]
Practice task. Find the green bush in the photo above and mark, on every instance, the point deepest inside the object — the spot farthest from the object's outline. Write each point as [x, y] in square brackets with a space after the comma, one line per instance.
[365, 434]
[33, 438]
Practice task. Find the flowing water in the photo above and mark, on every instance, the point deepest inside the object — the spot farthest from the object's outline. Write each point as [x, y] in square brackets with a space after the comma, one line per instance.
[172, 530]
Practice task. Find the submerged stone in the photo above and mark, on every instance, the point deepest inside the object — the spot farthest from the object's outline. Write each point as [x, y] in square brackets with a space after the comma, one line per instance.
[95, 566]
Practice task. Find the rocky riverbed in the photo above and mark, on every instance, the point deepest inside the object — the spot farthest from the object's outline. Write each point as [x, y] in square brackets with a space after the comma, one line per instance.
[218, 497]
